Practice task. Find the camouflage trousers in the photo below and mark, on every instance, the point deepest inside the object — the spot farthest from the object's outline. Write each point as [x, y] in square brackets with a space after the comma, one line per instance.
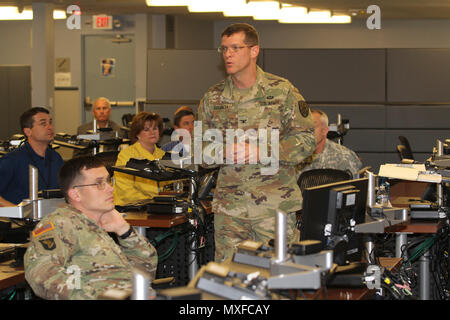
[229, 231]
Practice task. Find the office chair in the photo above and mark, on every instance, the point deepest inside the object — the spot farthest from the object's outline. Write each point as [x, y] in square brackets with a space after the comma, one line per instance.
[109, 159]
[403, 153]
[317, 177]
[404, 149]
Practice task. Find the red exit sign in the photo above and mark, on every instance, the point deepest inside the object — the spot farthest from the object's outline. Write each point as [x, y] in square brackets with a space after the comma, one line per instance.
[102, 22]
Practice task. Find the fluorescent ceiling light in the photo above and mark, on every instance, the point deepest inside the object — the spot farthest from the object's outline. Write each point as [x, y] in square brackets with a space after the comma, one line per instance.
[167, 3]
[264, 10]
[240, 9]
[314, 17]
[259, 10]
[292, 14]
[215, 5]
[59, 14]
[12, 13]
[205, 5]
[341, 19]
[319, 15]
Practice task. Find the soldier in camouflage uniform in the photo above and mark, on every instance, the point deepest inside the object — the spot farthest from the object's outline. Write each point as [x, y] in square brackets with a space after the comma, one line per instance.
[245, 199]
[329, 154]
[71, 255]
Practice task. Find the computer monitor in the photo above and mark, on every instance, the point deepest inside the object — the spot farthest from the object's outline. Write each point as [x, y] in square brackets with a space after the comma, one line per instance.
[329, 215]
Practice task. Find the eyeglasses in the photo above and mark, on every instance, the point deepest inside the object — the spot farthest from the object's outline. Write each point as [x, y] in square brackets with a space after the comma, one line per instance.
[233, 49]
[100, 185]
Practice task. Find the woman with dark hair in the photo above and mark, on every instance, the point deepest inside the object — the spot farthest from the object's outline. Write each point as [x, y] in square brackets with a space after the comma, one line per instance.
[145, 131]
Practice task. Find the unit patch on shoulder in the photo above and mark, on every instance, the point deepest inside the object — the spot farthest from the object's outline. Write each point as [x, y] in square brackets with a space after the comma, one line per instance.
[43, 229]
[48, 244]
[304, 108]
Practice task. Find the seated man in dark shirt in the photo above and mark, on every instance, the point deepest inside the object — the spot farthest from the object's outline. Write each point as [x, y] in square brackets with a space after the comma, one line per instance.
[36, 124]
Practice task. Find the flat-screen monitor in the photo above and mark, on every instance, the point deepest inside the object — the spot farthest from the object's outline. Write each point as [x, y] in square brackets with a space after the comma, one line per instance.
[329, 215]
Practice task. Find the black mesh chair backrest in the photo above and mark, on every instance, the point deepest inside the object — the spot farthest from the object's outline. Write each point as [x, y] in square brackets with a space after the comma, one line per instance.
[109, 159]
[126, 119]
[317, 177]
[403, 152]
[406, 152]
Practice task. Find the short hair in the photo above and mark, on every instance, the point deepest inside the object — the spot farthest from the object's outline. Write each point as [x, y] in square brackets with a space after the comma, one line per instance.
[180, 113]
[138, 123]
[101, 99]
[26, 119]
[323, 116]
[71, 171]
[251, 35]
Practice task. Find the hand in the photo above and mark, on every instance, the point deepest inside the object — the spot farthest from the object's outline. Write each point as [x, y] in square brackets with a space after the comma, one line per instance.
[246, 155]
[112, 221]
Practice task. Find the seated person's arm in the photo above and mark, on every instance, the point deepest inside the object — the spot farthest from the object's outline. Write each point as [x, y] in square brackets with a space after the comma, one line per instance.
[46, 261]
[124, 191]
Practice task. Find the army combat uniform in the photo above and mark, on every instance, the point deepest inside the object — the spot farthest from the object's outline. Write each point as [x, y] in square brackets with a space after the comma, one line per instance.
[71, 257]
[245, 200]
[333, 156]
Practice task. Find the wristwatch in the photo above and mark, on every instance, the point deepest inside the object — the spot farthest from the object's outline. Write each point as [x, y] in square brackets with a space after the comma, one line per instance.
[127, 234]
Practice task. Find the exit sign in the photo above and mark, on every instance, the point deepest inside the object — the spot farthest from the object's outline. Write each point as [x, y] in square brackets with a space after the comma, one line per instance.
[102, 22]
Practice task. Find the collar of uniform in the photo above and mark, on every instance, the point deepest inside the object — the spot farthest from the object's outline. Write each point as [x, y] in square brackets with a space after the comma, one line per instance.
[82, 216]
[259, 86]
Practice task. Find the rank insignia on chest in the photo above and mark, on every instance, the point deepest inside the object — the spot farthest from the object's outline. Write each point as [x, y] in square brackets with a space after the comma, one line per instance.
[222, 106]
[48, 244]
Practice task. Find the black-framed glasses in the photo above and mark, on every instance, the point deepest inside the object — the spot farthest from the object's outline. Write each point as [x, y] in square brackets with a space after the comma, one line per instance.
[100, 184]
[233, 49]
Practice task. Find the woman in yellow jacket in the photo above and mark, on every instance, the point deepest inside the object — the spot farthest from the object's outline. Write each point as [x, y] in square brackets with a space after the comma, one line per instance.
[145, 131]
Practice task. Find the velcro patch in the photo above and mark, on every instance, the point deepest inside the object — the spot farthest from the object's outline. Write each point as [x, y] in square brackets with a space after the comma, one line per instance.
[43, 229]
[304, 108]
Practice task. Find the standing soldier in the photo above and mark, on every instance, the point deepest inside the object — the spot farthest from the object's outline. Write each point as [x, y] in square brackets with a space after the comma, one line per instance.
[247, 197]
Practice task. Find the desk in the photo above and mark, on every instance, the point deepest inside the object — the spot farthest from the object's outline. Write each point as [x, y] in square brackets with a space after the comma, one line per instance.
[147, 220]
[184, 255]
[10, 276]
[346, 293]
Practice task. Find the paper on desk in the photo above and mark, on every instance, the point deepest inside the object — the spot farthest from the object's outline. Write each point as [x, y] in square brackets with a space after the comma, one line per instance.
[411, 172]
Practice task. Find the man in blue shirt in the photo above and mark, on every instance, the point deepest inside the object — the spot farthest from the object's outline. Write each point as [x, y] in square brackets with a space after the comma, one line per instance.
[36, 124]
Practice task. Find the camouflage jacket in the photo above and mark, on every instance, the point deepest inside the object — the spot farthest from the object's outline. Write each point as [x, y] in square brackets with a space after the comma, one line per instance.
[71, 257]
[333, 156]
[274, 104]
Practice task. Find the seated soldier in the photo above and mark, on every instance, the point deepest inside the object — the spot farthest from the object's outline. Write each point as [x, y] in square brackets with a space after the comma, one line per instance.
[71, 255]
[328, 154]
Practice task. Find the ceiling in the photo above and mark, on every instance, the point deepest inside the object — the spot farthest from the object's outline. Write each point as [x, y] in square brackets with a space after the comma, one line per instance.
[390, 9]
